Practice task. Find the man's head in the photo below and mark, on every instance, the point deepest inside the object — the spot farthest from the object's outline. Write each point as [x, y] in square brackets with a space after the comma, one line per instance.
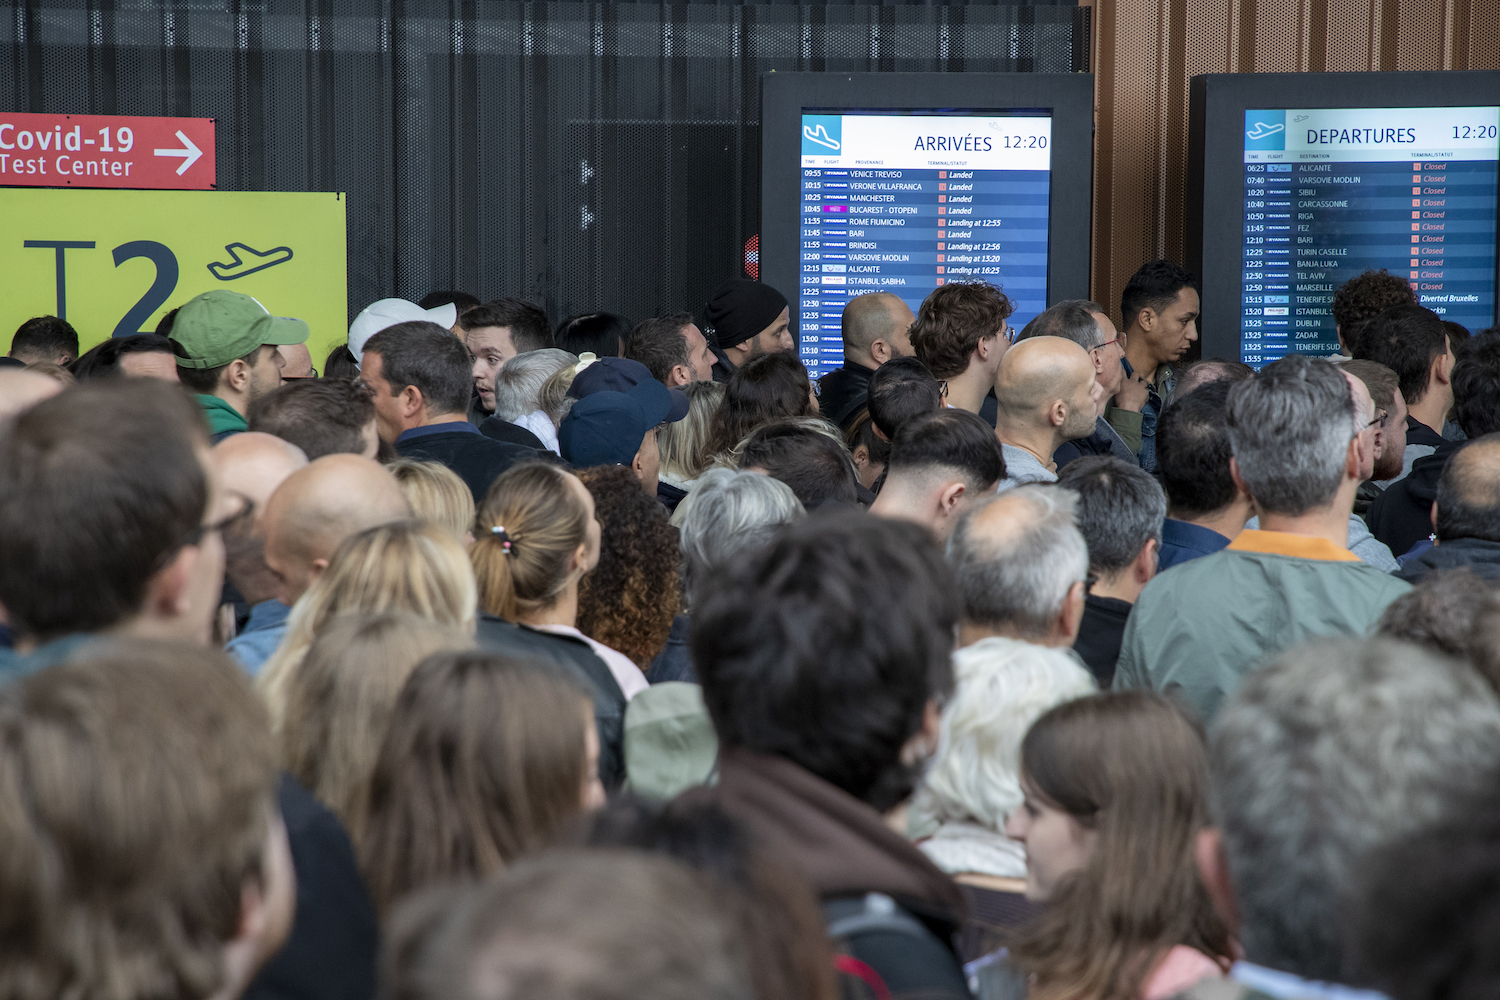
[673, 349]
[1086, 324]
[807, 454]
[1202, 372]
[1021, 564]
[606, 924]
[225, 344]
[316, 508]
[1476, 386]
[1047, 385]
[1193, 453]
[940, 465]
[601, 334]
[1333, 749]
[876, 329]
[961, 326]
[144, 852]
[146, 355]
[1382, 385]
[108, 509]
[418, 373]
[296, 362]
[21, 389]
[252, 465]
[498, 331]
[1410, 341]
[1468, 493]
[45, 340]
[829, 646]
[320, 416]
[615, 419]
[1121, 508]
[899, 390]
[748, 319]
[1296, 436]
[1160, 309]
[1365, 296]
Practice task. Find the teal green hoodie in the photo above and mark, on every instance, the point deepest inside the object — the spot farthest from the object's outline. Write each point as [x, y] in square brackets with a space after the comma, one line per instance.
[222, 418]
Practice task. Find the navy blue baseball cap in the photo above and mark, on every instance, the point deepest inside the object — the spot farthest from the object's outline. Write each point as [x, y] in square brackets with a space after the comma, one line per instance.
[606, 428]
[625, 376]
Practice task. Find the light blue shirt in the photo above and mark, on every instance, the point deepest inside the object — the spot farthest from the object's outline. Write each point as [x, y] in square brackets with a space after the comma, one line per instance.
[1286, 986]
[262, 634]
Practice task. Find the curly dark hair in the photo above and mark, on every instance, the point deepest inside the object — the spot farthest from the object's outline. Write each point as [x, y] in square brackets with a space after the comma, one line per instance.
[1367, 295]
[762, 389]
[629, 600]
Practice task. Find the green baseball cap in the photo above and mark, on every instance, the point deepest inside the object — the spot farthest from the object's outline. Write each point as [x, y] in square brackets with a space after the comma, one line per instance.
[219, 326]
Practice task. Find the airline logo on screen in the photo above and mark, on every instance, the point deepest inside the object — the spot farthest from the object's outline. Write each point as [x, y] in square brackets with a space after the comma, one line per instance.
[822, 135]
[1265, 130]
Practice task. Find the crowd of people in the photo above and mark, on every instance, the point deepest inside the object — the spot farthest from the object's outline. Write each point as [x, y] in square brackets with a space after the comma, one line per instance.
[503, 660]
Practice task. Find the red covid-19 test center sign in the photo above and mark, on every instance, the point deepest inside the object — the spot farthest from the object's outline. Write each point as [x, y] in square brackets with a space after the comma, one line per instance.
[106, 151]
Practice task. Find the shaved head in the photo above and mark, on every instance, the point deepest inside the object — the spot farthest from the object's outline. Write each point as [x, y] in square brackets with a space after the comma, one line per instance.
[21, 389]
[252, 465]
[1036, 375]
[317, 507]
[1468, 493]
[877, 316]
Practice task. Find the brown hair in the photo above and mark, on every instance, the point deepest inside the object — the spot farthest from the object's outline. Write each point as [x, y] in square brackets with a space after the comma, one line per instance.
[436, 494]
[483, 762]
[543, 523]
[340, 699]
[1378, 379]
[951, 322]
[1131, 767]
[136, 785]
[629, 600]
[762, 389]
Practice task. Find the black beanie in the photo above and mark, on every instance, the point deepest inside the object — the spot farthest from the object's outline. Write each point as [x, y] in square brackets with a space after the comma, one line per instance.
[740, 309]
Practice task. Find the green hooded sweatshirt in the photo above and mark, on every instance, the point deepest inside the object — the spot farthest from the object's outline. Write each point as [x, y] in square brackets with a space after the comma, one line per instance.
[222, 418]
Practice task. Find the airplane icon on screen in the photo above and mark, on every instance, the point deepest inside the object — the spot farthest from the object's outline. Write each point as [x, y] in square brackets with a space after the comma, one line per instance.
[1261, 130]
[820, 136]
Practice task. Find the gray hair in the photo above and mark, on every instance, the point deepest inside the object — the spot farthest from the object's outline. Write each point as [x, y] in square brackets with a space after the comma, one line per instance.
[1020, 576]
[1003, 686]
[726, 512]
[1121, 507]
[1333, 749]
[518, 386]
[1289, 428]
[1072, 319]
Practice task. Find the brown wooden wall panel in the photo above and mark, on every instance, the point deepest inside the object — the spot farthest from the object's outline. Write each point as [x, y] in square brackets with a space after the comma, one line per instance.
[1145, 51]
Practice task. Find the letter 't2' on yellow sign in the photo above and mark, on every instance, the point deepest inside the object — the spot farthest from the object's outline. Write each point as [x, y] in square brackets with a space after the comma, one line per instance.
[114, 262]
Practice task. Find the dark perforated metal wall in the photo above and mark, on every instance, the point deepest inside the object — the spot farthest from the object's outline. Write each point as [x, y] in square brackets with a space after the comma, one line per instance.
[584, 155]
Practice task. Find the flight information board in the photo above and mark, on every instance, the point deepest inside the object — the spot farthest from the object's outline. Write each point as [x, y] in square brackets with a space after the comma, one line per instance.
[902, 202]
[1330, 193]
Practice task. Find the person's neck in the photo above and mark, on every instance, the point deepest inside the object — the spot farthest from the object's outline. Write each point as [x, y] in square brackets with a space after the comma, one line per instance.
[967, 390]
[969, 633]
[1228, 521]
[1041, 442]
[901, 499]
[443, 418]
[238, 401]
[139, 626]
[1122, 586]
[1138, 353]
[1432, 409]
[563, 611]
[860, 361]
[1330, 522]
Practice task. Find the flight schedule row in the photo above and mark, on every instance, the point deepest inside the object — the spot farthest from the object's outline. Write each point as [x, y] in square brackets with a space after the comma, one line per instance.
[1310, 226]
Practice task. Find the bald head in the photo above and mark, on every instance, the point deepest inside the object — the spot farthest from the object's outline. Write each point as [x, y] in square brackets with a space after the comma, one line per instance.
[1468, 493]
[21, 389]
[875, 327]
[253, 466]
[1047, 385]
[298, 361]
[317, 507]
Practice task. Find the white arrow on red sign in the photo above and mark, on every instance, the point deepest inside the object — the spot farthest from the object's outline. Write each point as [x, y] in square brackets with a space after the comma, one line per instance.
[190, 153]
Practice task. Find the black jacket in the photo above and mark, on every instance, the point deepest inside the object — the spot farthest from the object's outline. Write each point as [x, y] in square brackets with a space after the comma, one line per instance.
[509, 433]
[1104, 441]
[1099, 636]
[843, 391]
[477, 459]
[495, 635]
[1402, 515]
[675, 662]
[332, 951]
[1455, 553]
[670, 496]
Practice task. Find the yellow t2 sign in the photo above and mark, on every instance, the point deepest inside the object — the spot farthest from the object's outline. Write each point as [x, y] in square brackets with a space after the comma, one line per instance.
[113, 262]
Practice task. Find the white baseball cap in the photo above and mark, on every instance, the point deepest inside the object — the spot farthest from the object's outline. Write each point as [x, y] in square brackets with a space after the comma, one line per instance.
[388, 312]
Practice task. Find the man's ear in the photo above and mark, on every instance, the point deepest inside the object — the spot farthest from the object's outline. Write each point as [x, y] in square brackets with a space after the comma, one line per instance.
[950, 497]
[1071, 616]
[237, 374]
[878, 432]
[1234, 473]
[1433, 517]
[880, 351]
[861, 456]
[316, 570]
[1145, 562]
[1145, 319]
[1442, 367]
[986, 346]
[678, 376]
[167, 593]
[1213, 867]
[637, 466]
[1354, 456]
[1057, 413]
[411, 401]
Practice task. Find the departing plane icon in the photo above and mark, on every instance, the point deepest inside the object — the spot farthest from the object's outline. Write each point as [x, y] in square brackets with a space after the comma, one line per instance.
[1261, 130]
[820, 136]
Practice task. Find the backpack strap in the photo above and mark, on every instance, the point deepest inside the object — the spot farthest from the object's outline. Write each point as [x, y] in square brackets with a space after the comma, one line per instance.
[873, 912]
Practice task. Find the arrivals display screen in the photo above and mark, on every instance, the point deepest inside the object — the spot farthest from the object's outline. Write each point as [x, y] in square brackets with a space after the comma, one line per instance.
[1330, 193]
[903, 201]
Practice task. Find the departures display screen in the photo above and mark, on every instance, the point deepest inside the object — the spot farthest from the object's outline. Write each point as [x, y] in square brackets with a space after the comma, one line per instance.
[904, 201]
[1331, 193]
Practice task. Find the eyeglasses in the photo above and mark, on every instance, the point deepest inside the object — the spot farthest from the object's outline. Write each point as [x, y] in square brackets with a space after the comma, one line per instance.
[1119, 339]
[1010, 334]
[942, 388]
[244, 511]
[312, 374]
